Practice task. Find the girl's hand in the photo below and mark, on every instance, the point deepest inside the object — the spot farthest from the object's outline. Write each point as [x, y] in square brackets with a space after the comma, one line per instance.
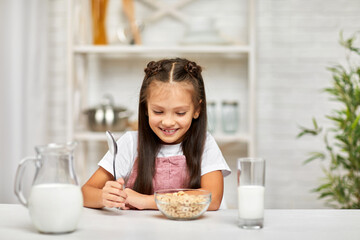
[139, 201]
[113, 194]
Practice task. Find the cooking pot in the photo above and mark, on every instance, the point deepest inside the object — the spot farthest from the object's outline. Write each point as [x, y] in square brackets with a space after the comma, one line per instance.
[107, 117]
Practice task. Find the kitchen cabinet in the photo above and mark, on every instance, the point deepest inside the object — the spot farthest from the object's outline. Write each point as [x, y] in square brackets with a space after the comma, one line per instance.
[84, 57]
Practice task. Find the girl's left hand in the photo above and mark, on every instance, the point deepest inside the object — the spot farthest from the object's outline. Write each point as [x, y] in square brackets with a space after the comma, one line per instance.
[139, 201]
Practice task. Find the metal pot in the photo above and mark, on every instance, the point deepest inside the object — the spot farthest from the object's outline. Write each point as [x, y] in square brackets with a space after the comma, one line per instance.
[107, 117]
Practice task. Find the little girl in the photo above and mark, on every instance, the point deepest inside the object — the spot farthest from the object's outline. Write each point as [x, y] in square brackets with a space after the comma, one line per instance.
[171, 148]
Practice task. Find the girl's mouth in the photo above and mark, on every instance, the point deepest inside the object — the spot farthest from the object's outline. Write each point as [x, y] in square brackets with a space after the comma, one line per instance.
[168, 131]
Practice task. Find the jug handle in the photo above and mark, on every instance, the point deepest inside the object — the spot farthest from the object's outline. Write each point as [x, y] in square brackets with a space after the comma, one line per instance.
[18, 179]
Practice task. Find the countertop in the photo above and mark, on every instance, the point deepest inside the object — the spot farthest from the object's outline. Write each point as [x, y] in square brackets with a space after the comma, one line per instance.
[279, 224]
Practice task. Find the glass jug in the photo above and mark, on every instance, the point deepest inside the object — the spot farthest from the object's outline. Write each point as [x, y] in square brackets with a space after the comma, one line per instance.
[55, 200]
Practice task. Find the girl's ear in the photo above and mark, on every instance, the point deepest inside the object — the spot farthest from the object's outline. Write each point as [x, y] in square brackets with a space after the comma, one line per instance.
[197, 112]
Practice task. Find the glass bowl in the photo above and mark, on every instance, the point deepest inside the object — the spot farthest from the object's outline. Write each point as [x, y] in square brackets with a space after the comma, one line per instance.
[182, 204]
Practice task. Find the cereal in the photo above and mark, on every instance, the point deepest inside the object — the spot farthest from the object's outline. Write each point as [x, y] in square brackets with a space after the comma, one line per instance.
[181, 205]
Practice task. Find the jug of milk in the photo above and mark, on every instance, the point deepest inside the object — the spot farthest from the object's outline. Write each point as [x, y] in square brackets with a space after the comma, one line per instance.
[55, 201]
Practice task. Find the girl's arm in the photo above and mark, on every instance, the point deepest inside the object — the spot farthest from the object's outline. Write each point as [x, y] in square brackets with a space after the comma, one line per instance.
[139, 201]
[213, 182]
[101, 191]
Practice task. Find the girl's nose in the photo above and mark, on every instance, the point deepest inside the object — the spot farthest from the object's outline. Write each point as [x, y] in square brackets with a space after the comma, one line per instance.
[168, 121]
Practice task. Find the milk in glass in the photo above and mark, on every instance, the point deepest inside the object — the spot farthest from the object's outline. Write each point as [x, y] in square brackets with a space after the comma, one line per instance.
[55, 207]
[251, 189]
[251, 202]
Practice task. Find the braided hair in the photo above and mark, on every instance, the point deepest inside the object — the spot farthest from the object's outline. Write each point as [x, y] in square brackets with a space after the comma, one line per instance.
[166, 70]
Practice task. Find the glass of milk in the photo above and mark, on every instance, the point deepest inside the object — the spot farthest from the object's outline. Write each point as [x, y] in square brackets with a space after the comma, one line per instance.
[251, 189]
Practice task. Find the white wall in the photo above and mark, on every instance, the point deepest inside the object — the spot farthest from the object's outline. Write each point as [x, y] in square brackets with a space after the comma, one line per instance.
[296, 41]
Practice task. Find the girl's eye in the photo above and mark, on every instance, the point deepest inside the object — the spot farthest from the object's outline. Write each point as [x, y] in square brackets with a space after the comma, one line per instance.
[181, 113]
[157, 112]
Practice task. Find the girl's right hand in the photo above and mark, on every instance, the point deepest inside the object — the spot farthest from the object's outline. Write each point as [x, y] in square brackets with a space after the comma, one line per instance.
[113, 194]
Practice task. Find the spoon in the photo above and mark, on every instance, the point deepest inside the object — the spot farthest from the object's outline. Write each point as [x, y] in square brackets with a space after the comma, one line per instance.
[113, 148]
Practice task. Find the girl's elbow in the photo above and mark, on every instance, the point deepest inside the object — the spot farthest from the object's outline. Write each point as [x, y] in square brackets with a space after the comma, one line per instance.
[214, 205]
[213, 208]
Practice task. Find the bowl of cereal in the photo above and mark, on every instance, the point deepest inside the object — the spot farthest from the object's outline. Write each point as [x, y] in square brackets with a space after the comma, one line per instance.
[182, 204]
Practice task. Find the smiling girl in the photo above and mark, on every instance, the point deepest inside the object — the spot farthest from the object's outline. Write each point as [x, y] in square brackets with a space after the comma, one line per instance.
[171, 148]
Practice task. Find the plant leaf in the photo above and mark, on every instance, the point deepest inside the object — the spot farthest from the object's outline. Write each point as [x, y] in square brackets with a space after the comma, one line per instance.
[315, 155]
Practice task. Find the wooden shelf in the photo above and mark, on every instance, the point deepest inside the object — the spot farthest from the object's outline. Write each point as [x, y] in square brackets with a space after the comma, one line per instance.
[116, 49]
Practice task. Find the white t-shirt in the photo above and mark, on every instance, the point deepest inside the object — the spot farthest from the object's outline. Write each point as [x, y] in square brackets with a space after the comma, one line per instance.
[212, 158]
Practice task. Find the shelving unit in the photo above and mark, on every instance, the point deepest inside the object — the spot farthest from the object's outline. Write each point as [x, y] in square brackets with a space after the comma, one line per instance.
[83, 51]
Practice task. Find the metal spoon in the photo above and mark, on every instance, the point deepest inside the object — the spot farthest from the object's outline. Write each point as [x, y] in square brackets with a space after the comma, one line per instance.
[113, 148]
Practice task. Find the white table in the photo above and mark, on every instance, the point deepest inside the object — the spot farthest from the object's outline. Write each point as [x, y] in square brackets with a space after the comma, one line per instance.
[106, 224]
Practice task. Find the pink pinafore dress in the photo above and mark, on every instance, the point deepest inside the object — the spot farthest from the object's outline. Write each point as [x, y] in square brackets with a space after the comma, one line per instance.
[170, 172]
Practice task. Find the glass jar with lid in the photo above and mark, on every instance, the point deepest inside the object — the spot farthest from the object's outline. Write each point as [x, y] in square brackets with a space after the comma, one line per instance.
[211, 114]
[229, 116]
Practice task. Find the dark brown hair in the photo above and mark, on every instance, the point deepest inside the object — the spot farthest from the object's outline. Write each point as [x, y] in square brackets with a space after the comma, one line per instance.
[182, 70]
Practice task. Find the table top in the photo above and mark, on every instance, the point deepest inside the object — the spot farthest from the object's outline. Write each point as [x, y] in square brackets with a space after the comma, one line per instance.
[279, 224]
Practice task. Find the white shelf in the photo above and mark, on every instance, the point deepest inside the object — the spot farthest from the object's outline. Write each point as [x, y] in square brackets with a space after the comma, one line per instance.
[116, 49]
[100, 136]
[95, 136]
[237, 137]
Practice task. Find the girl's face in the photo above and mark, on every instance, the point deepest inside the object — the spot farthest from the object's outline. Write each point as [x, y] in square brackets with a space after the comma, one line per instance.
[171, 110]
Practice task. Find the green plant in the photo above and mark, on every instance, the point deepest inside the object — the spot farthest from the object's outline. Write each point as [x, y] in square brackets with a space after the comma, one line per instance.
[340, 187]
